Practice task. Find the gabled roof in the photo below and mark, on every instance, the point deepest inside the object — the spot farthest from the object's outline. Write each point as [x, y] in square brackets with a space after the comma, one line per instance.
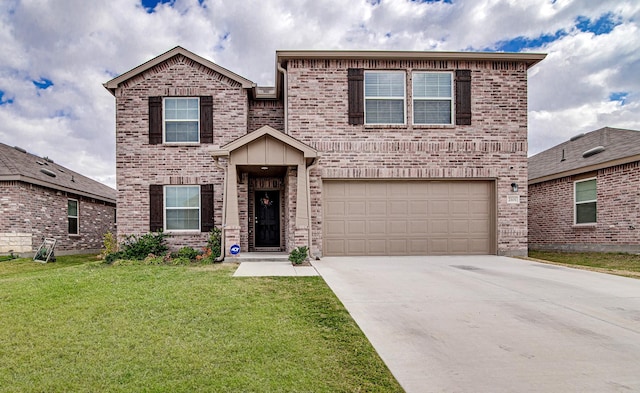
[307, 151]
[18, 165]
[112, 85]
[604, 148]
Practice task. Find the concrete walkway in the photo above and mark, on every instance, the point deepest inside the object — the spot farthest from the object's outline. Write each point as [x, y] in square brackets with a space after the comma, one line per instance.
[270, 269]
[493, 324]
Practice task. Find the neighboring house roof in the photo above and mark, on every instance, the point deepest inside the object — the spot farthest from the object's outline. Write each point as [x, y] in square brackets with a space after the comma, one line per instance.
[595, 150]
[18, 165]
[112, 85]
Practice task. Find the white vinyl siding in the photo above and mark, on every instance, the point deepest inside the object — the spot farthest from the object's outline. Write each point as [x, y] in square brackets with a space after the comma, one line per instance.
[585, 202]
[181, 120]
[384, 93]
[182, 208]
[432, 98]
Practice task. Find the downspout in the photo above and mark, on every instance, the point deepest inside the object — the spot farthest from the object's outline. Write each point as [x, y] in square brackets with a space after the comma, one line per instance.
[224, 211]
[313, 165]
[284, 96]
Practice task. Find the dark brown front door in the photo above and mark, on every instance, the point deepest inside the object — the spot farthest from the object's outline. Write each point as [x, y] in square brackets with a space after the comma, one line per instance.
[267, 213]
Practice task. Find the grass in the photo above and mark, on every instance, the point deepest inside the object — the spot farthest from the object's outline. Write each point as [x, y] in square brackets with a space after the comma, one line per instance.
[77, 325]
[616, 263]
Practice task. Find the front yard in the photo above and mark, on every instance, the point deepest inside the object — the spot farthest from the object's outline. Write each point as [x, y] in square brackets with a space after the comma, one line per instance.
[78, 325]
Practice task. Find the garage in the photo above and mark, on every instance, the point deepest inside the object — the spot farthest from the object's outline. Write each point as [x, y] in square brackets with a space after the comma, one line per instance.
[387, 217]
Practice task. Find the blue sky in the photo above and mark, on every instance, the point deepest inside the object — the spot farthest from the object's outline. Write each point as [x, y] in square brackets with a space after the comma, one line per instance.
[57, 55]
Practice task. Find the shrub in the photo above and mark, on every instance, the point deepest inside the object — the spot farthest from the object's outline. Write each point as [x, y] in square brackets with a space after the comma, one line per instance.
[186, 252]
[139, 247]
[215, 243]
[298, 255]
[109, 244]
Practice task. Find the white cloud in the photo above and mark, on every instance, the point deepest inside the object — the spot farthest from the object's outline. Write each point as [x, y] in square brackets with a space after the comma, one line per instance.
[79, 45]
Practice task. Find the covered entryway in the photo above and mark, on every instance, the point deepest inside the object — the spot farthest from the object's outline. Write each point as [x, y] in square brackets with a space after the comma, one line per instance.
[389, 217]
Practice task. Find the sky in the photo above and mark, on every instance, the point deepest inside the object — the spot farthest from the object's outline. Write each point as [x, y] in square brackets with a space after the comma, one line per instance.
[56, 54]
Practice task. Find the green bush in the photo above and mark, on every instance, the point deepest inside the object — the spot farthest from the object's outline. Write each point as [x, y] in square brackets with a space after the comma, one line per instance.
[140, 247]
[215, 243]
[298, 255]
[109, 244]
[186, 252]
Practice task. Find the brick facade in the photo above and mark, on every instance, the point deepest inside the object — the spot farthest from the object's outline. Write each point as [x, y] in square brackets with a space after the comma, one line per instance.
[493, 147]
[31, 212]
[551, 213]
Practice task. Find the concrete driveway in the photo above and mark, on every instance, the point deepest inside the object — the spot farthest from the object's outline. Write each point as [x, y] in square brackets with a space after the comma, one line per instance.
[493, 324]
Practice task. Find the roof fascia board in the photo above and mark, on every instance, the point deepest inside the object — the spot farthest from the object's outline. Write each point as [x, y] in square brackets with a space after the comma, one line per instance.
[530, 58]
[272, 132]
[112, 85]
[589, 168]
[30, 180]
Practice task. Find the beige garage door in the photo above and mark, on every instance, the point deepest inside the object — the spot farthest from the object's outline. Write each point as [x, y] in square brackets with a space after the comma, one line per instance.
[408, 217]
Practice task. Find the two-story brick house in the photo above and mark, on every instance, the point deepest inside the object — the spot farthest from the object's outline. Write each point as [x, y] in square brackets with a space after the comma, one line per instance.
[351, 153]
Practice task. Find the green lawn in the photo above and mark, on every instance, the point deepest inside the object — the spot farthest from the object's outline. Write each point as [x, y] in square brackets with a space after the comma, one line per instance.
[79, 326]
[615, 263]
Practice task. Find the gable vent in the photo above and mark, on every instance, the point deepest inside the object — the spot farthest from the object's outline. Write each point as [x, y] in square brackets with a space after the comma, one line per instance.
[592, 152]
[48, 172]
[576, 137]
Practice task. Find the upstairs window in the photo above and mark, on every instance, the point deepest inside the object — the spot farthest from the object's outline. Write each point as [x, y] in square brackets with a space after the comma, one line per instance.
[585, 201]
[432, 98]
[384, 96]
[72, 216]
[181, 120]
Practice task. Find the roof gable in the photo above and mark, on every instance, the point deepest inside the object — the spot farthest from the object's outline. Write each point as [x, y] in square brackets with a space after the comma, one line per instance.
[307, 151]
[113, 84]
[618, 146]
[18, 165]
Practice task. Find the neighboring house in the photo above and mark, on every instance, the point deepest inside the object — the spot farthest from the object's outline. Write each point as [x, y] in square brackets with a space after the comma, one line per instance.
[40, 199]
[351, 153]
[584, 193]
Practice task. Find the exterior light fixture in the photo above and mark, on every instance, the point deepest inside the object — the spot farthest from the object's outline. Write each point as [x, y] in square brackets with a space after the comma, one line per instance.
[264, 168]
[514, 187]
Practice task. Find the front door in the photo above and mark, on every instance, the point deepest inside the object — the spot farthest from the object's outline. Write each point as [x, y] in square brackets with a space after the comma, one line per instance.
[267, 219]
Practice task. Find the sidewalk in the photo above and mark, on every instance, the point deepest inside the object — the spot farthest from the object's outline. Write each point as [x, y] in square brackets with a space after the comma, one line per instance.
[282, 269]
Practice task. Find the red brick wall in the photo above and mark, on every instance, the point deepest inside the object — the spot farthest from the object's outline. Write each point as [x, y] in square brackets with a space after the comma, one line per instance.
[42, 212]
[494, 146]
[139, 164]
[551, 213]
[266, 113]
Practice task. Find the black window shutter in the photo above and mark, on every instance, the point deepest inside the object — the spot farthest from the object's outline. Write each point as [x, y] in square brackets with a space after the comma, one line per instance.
[156, 215]
[463, 97]
[206, 119]
[356, 95]
[155, 120]
[206, 213]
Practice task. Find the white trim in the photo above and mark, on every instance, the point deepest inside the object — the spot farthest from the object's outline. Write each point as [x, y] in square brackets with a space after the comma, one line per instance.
[77, 217]
[164, 121]
[164, 208]
[404, 96]
[450, 99]
[575, 203]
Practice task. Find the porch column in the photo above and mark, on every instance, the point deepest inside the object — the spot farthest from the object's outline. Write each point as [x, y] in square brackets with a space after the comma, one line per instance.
[232, 216]
[302, 214]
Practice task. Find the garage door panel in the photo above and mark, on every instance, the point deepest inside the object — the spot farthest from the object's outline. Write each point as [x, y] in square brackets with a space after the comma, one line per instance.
[407, 217]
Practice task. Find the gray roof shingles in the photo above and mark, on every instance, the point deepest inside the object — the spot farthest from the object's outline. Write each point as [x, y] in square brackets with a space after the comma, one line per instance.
[29, 168]
[618, 144]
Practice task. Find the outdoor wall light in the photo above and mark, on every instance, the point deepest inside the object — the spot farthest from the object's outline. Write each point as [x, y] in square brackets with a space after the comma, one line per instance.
[514, 187]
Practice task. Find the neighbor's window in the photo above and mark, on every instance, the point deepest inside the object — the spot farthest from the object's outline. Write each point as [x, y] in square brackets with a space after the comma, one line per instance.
[384, 95]
[432, 98]
[72, 215]
[585, 197]
[181, 119]
[182, 208]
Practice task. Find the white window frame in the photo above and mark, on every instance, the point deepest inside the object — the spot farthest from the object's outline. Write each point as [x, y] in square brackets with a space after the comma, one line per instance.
[165, 208]
[450, 98]
[77, 216]
[404, 97]
[576, 203]
[165, 120]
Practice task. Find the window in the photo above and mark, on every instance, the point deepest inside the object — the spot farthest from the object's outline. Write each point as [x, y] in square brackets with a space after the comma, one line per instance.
[182, 208]
[72, 215]
[181, 120]
[384, 95]
[585, 201]
[432, 98]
